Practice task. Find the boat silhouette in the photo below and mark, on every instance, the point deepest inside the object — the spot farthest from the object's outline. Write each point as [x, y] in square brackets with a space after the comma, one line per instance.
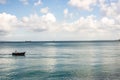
[18, 53]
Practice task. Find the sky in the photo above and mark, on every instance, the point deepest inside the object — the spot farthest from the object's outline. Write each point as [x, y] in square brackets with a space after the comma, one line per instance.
[50, 20]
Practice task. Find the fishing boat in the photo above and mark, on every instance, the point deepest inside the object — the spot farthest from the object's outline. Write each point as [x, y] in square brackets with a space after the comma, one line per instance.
[18, 53]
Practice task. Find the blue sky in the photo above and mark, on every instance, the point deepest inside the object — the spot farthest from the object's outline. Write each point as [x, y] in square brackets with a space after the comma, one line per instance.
[59, 19]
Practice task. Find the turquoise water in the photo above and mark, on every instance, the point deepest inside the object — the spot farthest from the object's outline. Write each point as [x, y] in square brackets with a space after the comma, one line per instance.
[61, 61]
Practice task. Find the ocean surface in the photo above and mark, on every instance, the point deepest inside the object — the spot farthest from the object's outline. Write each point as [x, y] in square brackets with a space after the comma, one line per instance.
[60, 61]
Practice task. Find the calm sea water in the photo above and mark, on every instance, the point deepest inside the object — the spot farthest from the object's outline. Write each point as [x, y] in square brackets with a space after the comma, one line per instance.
[61, 61]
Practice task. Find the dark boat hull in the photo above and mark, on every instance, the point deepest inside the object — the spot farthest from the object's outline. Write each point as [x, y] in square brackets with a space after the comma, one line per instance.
[18, 54]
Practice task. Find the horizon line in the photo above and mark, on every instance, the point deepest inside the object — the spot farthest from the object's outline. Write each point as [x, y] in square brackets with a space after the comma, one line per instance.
[61, 40]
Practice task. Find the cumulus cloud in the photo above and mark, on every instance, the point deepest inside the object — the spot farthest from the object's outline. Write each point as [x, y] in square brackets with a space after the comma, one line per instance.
[90, 22]
[7, 23]
[83, 4]
[65, 11]
[88, 26]
[49, 17]
[38, 3]
[44, 10]
[25, 2]
[111, 8]
[107, 24]
[2, 1]
[39, 23]
[105, 27]
[33, 22]
[67, 14]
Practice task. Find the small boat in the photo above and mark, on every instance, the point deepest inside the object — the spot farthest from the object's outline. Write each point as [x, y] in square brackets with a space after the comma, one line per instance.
[18, 53]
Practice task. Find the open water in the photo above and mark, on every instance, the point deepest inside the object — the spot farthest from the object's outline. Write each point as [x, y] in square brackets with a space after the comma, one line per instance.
[60, 61]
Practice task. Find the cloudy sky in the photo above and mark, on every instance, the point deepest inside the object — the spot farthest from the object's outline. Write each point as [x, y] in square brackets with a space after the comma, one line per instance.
[59, 20]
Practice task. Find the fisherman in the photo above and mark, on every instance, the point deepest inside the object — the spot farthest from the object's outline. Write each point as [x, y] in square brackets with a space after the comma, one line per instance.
[15, 51]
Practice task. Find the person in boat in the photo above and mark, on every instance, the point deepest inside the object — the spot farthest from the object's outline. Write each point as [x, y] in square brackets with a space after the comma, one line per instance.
[15, 51]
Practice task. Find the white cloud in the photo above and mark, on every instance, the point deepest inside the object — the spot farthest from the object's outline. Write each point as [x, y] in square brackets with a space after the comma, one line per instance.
[7, 23]
[44, 10]
[107, 26]
[67, 14]
[49, 17]
[25, 2]
[94, 28]
[33, 22]
[90, 26]
[110, 9]
[38, 3]
[85, 27]
[88, 23]
[107, 21]
[111, 13]
[65, 11]
[83, 4]
[2, 1]
[39, 23]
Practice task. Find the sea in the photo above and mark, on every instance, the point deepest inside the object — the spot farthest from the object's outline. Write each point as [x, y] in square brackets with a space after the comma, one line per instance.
[60, 60]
